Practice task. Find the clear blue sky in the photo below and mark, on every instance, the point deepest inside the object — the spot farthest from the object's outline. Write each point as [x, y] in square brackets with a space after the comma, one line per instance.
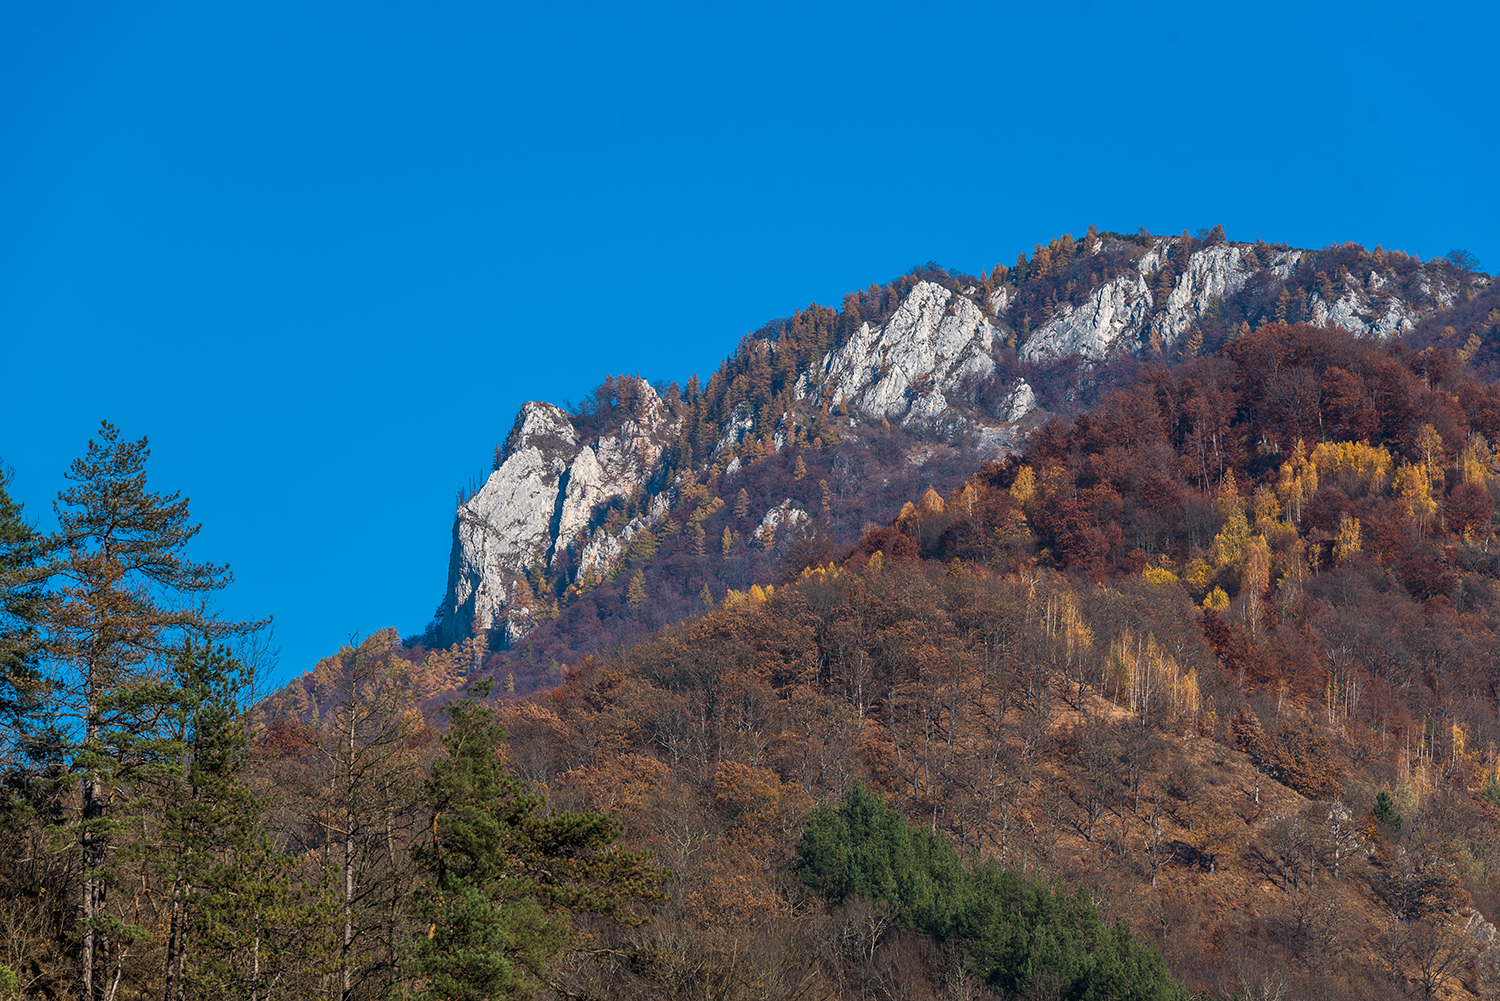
[320, 252]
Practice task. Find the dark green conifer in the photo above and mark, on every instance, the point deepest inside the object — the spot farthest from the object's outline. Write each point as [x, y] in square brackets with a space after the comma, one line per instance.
[502, 877]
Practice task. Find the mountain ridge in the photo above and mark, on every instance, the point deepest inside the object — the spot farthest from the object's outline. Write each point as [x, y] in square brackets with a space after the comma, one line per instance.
[952, 359]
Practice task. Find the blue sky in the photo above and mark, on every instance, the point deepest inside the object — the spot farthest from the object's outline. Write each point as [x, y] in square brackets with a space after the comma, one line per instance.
[320, 252]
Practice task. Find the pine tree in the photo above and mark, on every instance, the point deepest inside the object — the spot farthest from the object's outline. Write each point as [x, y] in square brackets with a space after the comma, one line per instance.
[741, 503]
[20, 631]
[502, 877]
[123, 597]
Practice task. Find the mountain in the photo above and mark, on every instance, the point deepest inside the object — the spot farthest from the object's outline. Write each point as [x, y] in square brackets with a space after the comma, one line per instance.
[925, 377]
[1180, 681]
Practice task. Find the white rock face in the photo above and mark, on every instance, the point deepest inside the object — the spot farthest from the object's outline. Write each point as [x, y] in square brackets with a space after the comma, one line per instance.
[602, 552]
[1117, 315]
[538, 503]
[1019, 402]
[505, 525]
[926, 410]
[543, 507]
[787, 514]
[1215, 272]
[1110, 320]
[586, 489]
[1285, 262]
[1355, 311]
[1487, 948]
[934, 341]
[741, 420]
[610, 468]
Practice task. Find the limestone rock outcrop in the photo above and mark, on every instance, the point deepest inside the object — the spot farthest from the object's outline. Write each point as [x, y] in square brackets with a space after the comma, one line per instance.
[1370, 311]
[1020, 401]
[902, 369]
[1111, 319]
[784, 516]
[1214, 273]
[1120, 314]
[538, 502]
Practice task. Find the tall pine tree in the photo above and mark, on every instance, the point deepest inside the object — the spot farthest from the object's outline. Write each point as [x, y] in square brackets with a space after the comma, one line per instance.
[121, 599]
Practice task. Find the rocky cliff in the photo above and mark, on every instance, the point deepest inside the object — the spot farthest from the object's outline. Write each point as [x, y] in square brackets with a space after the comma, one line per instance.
[541, 499]
[1130, 312]
[946, 358]
[902, 369]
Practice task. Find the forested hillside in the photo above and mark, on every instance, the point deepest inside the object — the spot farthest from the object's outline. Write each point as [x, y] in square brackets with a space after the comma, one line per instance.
[1198, 651]
[1191, 693]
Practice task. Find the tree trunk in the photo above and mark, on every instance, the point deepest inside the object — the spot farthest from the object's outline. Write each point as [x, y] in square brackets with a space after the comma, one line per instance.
[174, 945]
[349, 845]
[93, 862]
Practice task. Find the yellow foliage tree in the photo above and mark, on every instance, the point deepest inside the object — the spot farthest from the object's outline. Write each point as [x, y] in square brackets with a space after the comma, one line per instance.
[1229, 544]
[1256, 577]
[1023, 490]
[1198, 575]
[1429, 445]
[1266, 508]
[1347, 543]
[1151, 682]
[1477, 463]
[636, 593]
[1414, 485]
[1297, 483]
[1228, 498]
[1355, 467]
[1469, 350]
[1159, 577]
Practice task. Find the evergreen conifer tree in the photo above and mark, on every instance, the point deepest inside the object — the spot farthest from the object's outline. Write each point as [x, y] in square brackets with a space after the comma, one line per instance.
[33, 741]
[122, 598]
[502, 878]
